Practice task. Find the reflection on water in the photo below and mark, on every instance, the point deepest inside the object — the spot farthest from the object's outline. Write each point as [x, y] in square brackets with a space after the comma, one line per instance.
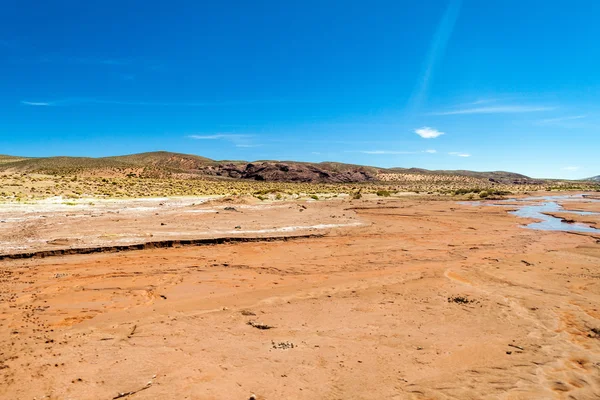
[547, 222]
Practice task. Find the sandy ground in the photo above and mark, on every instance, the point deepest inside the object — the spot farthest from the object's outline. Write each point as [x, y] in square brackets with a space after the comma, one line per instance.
[591, 220]
[56, 224]
[416, 300]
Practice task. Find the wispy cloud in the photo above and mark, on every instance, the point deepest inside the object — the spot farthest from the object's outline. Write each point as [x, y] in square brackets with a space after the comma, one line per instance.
[436, 51]
[395, 152]
[571, 168]
[89, 100]
[495, 110]
[428, 133]
[550, 121]
[218, 136]
[459, 154]
[482, 101]
[386, 152]
[238, 140]
[35, 103]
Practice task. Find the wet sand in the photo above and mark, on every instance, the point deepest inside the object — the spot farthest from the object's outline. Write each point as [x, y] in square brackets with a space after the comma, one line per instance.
[418, 299]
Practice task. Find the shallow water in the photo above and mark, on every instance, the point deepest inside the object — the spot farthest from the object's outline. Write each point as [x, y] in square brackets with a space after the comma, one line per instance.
[550, 223]
[549, 205]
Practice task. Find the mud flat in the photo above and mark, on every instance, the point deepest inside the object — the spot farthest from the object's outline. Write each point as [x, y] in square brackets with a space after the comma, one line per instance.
[389, 299]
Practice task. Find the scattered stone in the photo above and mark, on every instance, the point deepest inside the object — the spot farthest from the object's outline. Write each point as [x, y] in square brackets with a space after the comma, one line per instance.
[460, 300]
[247, 313]
[259, 326]
[230, 208]
[526, 263]
[126, 394]
[132, 331]
[282, 345]
[238, 227]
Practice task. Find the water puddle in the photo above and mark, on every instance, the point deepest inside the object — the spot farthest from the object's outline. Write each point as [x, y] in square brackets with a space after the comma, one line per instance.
[537, 211]
[550, 223]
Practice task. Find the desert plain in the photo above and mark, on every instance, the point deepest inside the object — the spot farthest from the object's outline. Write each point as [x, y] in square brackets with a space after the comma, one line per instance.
[400, 297]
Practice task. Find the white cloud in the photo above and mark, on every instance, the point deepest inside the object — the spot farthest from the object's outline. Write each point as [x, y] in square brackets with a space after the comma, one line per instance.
[428, 133]
[240, 141]
[36, 103]
[571, 168]
[550, 121]
[483, 101]
[74, 101]
[495, 110]
[395, 152]
[386, 152]
[459, 154]
[219, 136]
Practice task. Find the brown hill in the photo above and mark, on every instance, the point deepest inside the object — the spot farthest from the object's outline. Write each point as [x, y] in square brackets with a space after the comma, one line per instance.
[290, 172]
[164, 163]
[8, 159]
[493, 176]
[164, 159]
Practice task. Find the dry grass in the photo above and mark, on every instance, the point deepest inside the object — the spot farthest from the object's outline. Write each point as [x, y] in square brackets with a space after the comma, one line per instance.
[24, 187]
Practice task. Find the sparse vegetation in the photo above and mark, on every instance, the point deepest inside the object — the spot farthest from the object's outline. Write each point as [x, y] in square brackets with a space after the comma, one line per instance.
[24, 179]
[356, 195]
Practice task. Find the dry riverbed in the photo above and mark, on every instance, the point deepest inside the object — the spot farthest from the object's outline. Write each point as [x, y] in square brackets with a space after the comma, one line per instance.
[398, 299]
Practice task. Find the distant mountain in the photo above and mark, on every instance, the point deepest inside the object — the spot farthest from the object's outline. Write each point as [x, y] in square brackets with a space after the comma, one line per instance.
[163, 159]
[493, 176]
[594, 178]
[163, 164]
[8, 159]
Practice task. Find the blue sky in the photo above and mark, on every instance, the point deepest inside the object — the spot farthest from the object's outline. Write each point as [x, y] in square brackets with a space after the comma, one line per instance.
[439, 84]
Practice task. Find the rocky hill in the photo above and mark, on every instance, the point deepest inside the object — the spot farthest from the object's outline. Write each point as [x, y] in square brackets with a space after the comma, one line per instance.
[493, 176]
[164, 163]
